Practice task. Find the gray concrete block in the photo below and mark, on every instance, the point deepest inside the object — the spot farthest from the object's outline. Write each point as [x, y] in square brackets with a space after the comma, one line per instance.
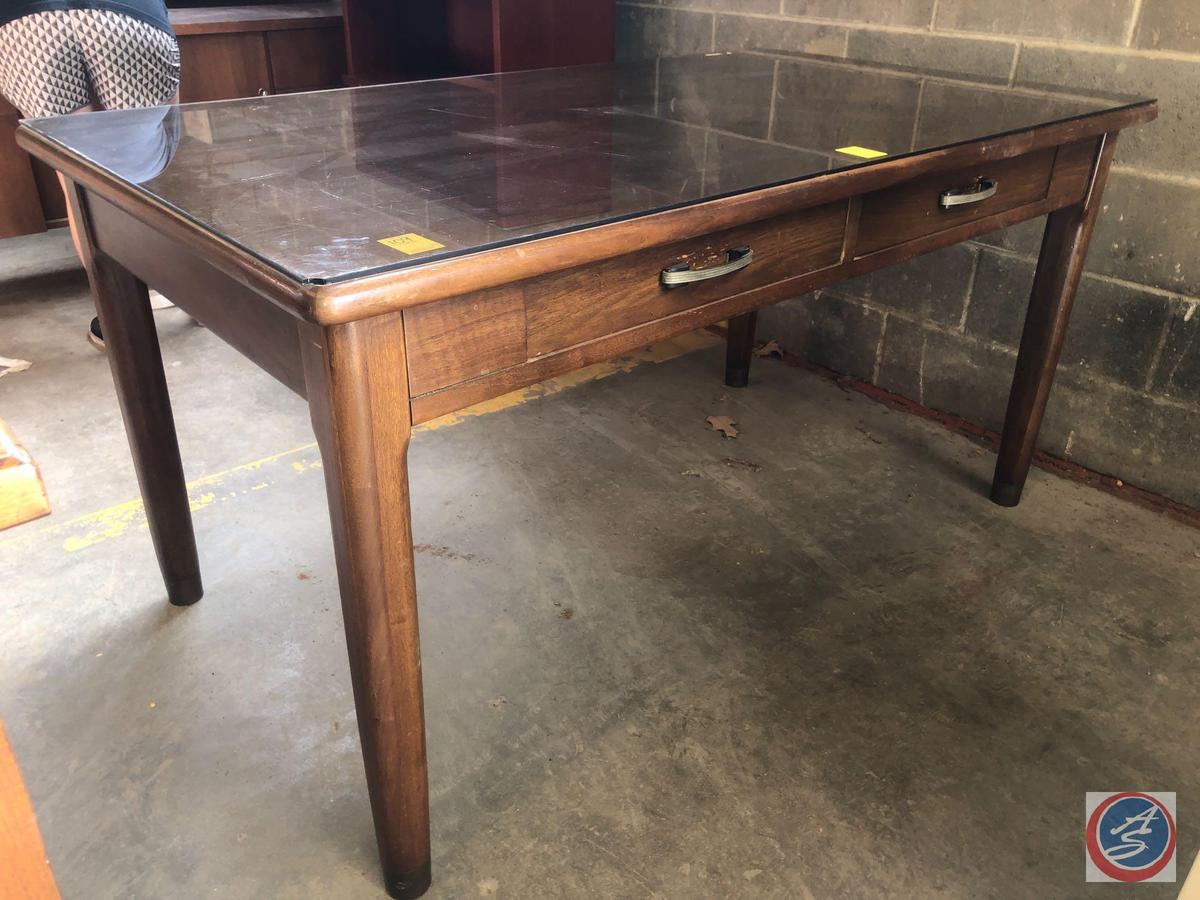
[933, 286]
[895, 12]
[643, 32]
[999, 298]
[1148, 233]
[880, 115]
[943, 120]
[734, 6]
[1169, 25]
[1024, 237]
[901, 361]
[978, 58]
[832, 332]
[735, 163]
[680, 175]
[1139, 438]
[1115, 329]
[1166, 145]
[1093, 21]
[1178, 373]
[746, 33]
[726, 92]
[966, 377]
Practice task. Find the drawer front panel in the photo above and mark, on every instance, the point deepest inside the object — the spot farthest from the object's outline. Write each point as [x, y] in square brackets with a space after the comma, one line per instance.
[579, 305]
[913, 209]
[464, 337]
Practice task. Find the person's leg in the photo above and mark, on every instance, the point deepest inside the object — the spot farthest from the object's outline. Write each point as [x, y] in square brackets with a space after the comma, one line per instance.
[130, 64]
[43, 73]
[72, 225]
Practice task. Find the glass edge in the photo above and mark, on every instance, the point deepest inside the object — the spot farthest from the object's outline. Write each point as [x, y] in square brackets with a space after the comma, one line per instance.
[402, 265]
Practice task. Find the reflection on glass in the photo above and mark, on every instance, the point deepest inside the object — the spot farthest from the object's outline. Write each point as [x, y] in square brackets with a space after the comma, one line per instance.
[312, 183]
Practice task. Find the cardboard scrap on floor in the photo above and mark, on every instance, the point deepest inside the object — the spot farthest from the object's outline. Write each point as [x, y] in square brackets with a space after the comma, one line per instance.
[22, 494]
[10, 366]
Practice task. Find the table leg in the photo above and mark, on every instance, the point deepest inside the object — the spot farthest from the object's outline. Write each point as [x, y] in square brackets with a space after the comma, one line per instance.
[358, 396]
[1060, 266]
[739, 348]
[131, 341]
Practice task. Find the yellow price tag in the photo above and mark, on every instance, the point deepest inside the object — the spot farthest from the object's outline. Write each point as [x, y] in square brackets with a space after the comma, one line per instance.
[411, 244]
[861, 152]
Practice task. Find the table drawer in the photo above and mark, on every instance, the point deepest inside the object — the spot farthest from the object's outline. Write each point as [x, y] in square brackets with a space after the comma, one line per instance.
[579, 305]
[943, 200]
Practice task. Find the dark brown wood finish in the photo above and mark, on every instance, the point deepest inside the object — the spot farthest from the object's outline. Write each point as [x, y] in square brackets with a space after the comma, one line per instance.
[376, 355]
[911, 209]
[49, 188]
[389, 41]
[260, 17]
[464, 338]
[589, 302]
[739, 348]
[1060, 266]
[240, 51]
[305, 59]
[123, 305]
[358, 397]
[246, 320]
[331, 304]
[20, 208]
[464, 378]
[220, 66]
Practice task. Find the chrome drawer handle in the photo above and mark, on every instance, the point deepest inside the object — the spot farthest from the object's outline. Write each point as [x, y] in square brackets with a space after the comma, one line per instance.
[977, 193]
[681, 274]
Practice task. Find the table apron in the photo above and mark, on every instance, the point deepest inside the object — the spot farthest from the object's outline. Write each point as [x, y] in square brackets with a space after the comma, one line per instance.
[243, 318]
[472, 348]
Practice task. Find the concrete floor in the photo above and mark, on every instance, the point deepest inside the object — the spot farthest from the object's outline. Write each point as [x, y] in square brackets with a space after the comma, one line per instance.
[813, 661]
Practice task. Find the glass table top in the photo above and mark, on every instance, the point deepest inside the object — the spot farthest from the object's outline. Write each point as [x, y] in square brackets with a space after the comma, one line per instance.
[333, 185]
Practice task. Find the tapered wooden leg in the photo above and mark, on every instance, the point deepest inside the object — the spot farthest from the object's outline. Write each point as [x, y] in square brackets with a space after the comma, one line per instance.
[739, 349]
[131, 341]
[1060, 266]
[358, 396]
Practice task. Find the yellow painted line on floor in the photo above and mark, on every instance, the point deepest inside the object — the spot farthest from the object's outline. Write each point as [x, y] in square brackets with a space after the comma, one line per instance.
[655, 353]
[112, 522]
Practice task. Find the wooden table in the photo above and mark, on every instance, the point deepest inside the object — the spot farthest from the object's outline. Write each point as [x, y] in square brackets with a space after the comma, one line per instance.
[397, 253]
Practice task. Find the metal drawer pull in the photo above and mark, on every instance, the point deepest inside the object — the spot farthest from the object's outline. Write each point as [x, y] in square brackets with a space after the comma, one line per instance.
[977, 193]
[681, 274]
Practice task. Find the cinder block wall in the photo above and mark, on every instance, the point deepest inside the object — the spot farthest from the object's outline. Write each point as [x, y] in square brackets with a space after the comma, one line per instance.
[943, 329]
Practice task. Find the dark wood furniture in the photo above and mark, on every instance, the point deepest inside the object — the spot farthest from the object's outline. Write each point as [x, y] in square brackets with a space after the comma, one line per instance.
[230, 51]
[352, 256]
[243, 51]
[226, 52]
[389, 41]
[20, 206]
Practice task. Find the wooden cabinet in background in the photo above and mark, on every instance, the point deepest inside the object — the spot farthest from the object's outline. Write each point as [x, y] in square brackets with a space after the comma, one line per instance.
[241, 51]
[229, 52]
[306, 59]
[20, 206]
[221, 66]
[391, 41]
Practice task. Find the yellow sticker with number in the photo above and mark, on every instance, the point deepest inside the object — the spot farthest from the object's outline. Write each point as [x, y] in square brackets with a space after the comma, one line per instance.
[861, 152]
[411, 244]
